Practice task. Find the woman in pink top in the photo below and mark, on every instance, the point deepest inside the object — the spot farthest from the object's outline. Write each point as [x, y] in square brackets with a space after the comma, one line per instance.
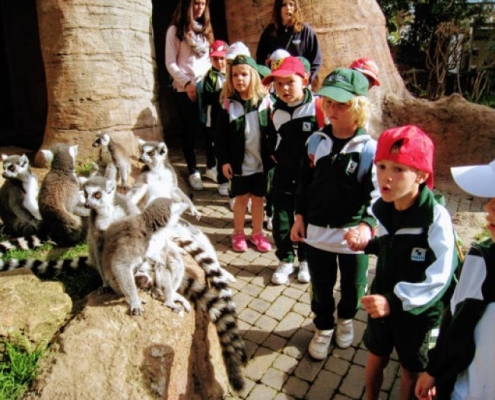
[187, 59]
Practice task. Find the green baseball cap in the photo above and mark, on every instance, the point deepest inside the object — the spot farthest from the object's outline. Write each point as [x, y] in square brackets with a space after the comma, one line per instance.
[342, 84]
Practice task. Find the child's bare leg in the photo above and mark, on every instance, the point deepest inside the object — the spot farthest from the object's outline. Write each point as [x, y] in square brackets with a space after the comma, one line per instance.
[257, 211]
[407, 383]
[373, 375]
[240, 205]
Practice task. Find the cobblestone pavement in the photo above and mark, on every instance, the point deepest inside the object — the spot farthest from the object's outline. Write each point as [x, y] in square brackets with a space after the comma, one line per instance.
[276, 322]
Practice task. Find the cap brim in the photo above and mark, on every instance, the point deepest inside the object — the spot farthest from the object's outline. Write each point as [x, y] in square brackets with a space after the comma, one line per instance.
[280, 73]
[218, 54]
[336, 94]
[478, 180]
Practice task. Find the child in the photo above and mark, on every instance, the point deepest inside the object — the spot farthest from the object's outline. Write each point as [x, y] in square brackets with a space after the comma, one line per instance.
[334, 193]
[368, 68]
[208, 94]
[241, 139]
[462, 363]
[293, 120]
[416, 259]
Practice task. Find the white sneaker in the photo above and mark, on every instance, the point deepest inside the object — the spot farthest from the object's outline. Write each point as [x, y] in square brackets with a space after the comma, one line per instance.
[319, 345]
[281, 275]
[223, 189]
[211, 174]
[303, 274]
[344, 333]
[195, 181]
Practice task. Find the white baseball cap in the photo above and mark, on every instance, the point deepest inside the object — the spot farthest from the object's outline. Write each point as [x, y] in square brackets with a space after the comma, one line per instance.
[279, 54]
[478, 180]
[237, 49]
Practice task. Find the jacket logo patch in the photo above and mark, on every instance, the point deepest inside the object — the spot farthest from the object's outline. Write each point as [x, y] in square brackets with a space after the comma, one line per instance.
[351, 167]
[418, 254]
[306, 126]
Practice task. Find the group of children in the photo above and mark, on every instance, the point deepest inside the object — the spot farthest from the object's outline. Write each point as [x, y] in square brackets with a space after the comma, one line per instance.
[341, 195]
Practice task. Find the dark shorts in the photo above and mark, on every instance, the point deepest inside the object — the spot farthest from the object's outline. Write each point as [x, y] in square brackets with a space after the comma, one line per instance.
[254, 184]
[411, 338]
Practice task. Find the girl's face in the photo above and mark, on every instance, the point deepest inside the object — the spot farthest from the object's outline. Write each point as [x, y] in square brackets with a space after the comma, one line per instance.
[290, 88]
[339, 114]
[287, 12]
[219, 63]
[199, 7]
[399, 183]
[241, 78]
[490, 209]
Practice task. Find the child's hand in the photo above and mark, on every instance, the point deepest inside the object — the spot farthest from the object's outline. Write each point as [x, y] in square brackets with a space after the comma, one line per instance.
[298, 231]
[376, 306]
[191, 91]
[358, 238]
[425, 387]
[227, 171]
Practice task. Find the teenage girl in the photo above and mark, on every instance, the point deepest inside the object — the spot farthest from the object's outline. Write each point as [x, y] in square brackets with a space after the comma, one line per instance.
[241, 147]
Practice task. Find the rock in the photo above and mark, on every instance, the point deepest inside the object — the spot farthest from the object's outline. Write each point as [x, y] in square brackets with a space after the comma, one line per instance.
[34, 308]
[104, 353]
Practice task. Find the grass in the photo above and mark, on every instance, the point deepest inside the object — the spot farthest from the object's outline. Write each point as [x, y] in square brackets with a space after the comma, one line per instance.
[18, 367]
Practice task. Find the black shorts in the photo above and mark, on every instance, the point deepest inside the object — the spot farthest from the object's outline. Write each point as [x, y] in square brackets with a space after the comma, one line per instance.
[411, 337]
[254, 184]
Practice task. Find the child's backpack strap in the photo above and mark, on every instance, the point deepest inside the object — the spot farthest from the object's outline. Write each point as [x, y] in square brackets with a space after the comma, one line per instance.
[367, 156]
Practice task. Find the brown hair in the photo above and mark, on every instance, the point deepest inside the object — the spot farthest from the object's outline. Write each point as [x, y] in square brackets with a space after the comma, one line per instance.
[183, 19]
[277, 17]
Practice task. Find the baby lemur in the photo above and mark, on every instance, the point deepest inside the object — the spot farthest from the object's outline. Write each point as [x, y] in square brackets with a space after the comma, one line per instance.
[112, 152]
[19, 197]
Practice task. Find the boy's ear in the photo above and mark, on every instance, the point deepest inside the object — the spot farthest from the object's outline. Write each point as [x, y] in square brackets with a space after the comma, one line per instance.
[422, 177]
[306, 80]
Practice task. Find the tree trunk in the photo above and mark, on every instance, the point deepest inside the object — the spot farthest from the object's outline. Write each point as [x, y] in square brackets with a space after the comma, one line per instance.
[346, 31]
[100, 71]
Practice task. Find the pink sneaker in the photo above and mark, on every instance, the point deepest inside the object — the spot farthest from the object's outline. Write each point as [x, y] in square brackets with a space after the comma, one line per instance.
[239, 242]
[261, 242]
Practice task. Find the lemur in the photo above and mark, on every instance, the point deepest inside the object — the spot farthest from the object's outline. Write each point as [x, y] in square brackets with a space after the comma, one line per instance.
[112, 152]
[157, 178]
[19, 198]
[64, 217]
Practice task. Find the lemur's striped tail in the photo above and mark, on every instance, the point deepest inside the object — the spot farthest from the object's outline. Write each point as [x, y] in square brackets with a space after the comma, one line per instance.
[43, 268]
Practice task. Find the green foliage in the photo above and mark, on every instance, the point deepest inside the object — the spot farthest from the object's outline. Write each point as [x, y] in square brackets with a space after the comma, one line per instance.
[85, 168]
[18, 367]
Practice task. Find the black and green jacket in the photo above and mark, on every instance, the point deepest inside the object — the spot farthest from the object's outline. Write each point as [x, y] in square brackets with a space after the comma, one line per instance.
[289, 129]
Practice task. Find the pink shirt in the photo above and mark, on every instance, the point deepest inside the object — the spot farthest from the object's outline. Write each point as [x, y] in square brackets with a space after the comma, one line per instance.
[181, 62]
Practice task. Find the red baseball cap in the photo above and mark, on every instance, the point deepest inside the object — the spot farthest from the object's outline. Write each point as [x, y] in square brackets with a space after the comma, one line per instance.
[289, 66]
[218, 48]
[407, 145]
[367, 67]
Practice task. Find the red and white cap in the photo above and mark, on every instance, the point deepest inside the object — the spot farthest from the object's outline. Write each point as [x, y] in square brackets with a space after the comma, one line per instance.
[218, 48]
[367, 67]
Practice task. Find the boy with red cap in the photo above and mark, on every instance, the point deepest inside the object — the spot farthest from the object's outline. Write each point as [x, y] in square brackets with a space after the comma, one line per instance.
[209, 90]
[368, 68]
[416, 253]
[293, 119]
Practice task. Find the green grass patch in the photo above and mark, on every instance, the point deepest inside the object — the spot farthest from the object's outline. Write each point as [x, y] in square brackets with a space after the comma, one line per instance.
[85, 167]
[18, 367]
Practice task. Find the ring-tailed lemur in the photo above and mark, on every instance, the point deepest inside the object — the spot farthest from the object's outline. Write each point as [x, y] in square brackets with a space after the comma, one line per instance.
[158, 177]
[19, 197]
[64, 217]
[112, 152]
[166, 276]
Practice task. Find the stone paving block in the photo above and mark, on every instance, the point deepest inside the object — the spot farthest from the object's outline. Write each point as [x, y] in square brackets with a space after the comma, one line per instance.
[248, 315]
[260, 362]
[252, 290]
[293, 293]
[302, 309]
[353, 383]
[262, 278]
[289, 324]
[283, 396]
[337, 365]
[271, 292]
[296, 387]
[274, 342]
[256, 335]
[251, 348]
[308, 368]
[390, 375]
[259, 305]
[324, 386]
[346, 354]
[280, 307]
[238, 284]
[250, 385]
[245, 275]
[266, 323]
[285, 363]
[360, 357]
[261, 391]
[256, 268]
[241, 300]
[274, 378]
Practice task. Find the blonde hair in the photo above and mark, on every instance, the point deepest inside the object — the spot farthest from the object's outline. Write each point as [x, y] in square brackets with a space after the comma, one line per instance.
[256, 89]
[361, 110]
